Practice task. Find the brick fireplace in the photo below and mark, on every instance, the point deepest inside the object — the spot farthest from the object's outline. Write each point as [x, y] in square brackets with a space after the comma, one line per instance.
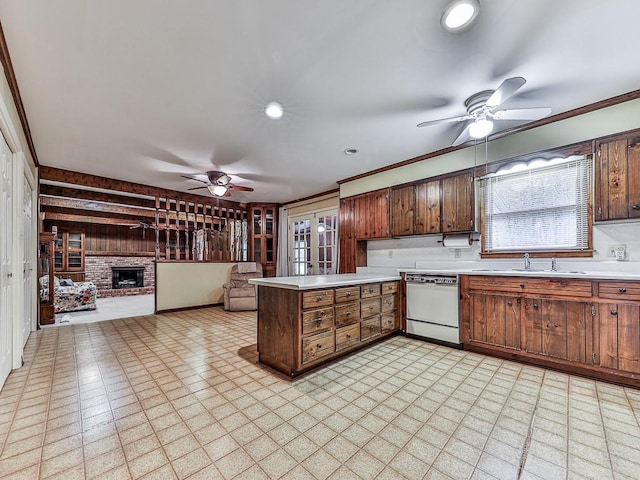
[100, 270]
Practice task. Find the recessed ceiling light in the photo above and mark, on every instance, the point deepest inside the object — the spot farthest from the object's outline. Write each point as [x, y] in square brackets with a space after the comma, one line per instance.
[460, 14]
[274, 110]
[351, 151]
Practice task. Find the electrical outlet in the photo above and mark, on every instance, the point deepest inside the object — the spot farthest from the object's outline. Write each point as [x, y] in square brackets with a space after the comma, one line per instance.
[457, 252]
[611, 249]
[390, 253]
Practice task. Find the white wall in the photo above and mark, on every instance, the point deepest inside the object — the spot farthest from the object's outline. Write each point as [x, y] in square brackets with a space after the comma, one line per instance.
[187, 284]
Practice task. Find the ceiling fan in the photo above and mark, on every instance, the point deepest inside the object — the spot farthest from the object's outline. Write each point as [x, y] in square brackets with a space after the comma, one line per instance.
[482, 111]
[219, 184]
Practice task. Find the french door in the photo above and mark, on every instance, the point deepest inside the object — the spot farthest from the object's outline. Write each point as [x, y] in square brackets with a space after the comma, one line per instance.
[6, 253]
[313, 243]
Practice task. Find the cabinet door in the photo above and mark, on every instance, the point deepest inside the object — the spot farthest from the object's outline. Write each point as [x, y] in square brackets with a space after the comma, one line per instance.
[403, 211]
[427, 208]
[633, 163]
[457, 203]
[619, 336]
[495, 319]
[559, 328]
[372, 215]
[348, 249]
[611, 189]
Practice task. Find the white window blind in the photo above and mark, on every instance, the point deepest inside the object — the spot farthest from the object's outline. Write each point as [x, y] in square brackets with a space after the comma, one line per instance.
[539, 206]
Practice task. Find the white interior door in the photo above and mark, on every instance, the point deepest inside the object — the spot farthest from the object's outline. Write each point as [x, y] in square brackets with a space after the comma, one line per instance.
[313, 243]
[28, 278]
[6, 252]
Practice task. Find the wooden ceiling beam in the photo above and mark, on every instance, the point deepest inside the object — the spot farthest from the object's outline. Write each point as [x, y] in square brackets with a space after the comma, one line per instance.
[146, 215]
[69, 217]
[66, 192]
[77, 204]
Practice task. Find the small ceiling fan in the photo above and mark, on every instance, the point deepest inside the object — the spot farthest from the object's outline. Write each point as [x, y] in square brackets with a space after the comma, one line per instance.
[482, 111]
[219, 184]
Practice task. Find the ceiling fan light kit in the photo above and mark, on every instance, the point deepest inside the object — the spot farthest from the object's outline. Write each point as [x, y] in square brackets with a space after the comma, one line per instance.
[480, 128]
[217, 190]
[459, 15]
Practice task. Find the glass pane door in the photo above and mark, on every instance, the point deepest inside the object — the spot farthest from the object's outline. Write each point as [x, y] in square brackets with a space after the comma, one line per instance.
[313, 243]
[301, 247]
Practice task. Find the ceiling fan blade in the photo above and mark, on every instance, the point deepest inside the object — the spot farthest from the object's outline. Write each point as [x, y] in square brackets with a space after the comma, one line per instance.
[193, 178]
[240, 188]
[196, 188]
[463, 137]
[522, 113]
[505, 90]
[444, 120]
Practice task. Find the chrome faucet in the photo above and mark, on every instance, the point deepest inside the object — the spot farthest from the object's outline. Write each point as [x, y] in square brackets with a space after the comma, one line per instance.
[527, 262]
[554, 264]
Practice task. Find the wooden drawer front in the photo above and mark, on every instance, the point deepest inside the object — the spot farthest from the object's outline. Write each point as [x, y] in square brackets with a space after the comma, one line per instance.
[557, 287]
[370, 328]
[619, 290]
[347, 313]
[371, 290]
[388, 322]
[347, 336]
[317, 346]
[388, 303]
[317, 298]
[347, 294]
[369, 307]
[389, 287]
[316, 320]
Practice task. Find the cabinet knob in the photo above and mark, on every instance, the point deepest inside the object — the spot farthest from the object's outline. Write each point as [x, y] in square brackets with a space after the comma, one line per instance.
[509, 303]
[614, 312]
[635, 207]
[319, 298]
[348, 294]
[522, 285]
[347, 314]
[348, 336]
[535, 305]
[448, 225]
[319, 345]
[622, 290]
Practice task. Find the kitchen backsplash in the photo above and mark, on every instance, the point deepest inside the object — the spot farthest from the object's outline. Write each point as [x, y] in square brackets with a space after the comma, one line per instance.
[388, 255]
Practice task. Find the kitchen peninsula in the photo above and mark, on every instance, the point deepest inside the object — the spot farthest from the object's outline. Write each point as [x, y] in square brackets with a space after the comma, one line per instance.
[307, 321]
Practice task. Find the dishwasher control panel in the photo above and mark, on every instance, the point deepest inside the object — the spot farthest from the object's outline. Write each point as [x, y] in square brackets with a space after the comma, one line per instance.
[422, 278]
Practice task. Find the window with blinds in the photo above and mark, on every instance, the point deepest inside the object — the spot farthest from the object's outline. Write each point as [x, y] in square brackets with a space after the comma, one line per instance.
[540, 206]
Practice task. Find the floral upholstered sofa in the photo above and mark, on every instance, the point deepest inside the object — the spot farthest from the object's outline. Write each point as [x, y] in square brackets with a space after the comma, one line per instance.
[69, 296]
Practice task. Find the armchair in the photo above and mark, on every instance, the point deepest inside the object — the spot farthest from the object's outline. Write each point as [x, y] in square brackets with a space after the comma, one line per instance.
[239, 295]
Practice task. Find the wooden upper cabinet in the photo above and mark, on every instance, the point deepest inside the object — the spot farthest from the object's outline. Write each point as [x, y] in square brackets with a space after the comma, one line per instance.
[347, 231]
[262, 241]
[457, 203]
[617, 177]
[403, 203]
[427, 208]
[372, 215]
[69, 252]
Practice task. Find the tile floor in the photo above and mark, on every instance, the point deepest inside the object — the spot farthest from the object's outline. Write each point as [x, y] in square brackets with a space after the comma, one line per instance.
[180, 396]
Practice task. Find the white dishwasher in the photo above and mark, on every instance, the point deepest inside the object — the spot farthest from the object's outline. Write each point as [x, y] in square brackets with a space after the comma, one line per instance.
[432, 308]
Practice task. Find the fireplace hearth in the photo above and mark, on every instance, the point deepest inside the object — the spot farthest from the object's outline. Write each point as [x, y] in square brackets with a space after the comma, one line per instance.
[127, 277]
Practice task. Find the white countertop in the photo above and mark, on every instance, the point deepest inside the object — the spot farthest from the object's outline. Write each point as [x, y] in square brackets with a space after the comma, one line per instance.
[523, 273]
[309, 282]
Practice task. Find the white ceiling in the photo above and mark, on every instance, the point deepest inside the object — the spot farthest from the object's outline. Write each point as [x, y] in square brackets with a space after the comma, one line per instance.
[148, 90]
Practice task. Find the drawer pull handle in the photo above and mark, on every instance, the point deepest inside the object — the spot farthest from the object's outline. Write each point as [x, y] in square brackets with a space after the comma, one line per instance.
[622, 290]
[318, 320]
[347, 314]
[348, 336]
[319, 345]
[614, 312]
[635, 207]
[522, 285]
[319, 298]
[348, 294]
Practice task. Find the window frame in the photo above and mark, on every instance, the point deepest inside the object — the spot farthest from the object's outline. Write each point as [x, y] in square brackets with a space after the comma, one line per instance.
[586, 149]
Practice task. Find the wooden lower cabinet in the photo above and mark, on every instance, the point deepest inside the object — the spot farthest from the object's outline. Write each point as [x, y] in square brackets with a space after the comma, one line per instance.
[575, 326]
[301, 330]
